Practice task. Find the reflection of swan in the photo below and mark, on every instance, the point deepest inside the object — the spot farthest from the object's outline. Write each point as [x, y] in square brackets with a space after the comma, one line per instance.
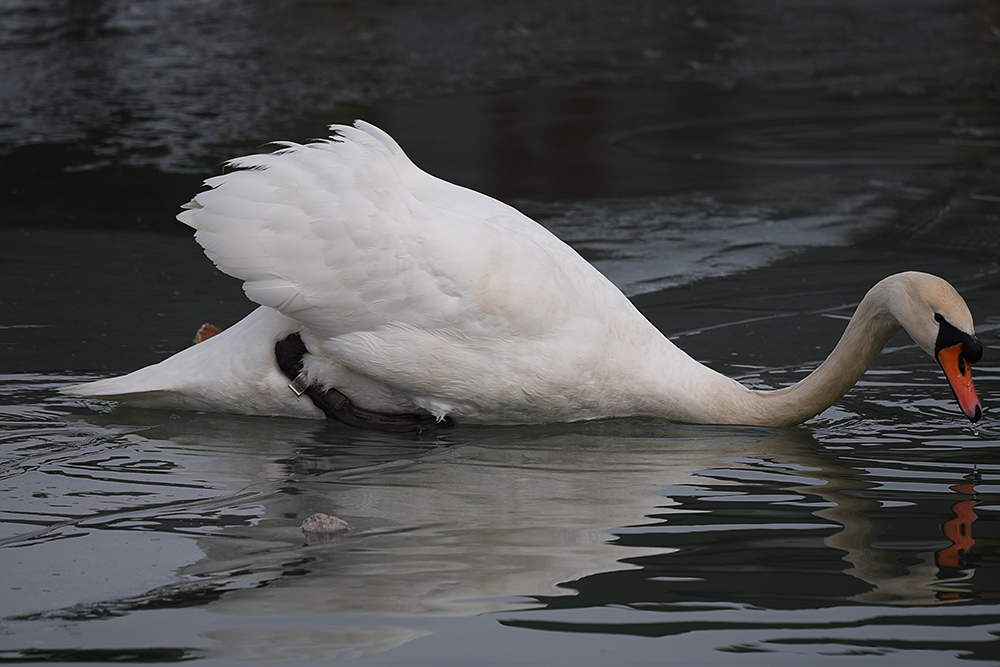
[399, 301]
[492, 521]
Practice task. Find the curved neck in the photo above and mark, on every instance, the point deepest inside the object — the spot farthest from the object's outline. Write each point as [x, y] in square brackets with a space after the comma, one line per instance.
[869, 330]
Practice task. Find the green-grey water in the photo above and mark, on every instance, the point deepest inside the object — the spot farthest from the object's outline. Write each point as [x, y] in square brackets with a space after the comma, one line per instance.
[743, 172]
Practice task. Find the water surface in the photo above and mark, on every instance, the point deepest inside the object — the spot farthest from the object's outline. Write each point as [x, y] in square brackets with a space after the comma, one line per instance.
[745, 174]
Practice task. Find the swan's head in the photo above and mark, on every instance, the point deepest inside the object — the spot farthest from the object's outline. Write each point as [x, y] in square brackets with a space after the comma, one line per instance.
[939, 321]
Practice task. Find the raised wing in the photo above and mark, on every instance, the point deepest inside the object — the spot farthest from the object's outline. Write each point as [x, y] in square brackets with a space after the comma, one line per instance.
[348, 235]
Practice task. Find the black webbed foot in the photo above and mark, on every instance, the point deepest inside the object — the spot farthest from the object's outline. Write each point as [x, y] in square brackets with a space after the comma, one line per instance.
[288, 352]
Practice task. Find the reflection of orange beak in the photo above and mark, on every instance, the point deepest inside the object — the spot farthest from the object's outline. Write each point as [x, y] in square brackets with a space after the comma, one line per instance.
[959, 532]
[959, 376]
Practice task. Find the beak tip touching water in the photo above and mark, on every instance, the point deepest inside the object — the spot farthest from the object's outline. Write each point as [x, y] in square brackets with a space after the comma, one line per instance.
[974, 411]
[959, 374]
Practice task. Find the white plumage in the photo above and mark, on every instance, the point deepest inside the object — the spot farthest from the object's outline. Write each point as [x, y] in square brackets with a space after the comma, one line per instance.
[412, 293]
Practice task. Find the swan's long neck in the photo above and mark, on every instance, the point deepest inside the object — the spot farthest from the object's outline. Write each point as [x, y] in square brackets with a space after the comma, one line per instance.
[714, 398]
[867, 333]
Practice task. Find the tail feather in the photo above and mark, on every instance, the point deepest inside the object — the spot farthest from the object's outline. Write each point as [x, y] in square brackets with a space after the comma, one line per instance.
[109, 389]
[146, 387]
[233, 371]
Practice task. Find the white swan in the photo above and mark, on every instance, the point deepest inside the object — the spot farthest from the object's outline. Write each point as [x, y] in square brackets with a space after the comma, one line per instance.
[406, 301]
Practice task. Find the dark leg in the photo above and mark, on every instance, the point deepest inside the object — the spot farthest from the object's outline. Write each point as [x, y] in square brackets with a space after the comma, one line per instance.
[289, 352]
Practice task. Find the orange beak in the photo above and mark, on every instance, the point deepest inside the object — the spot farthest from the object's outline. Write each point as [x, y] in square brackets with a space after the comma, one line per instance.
[959, 376]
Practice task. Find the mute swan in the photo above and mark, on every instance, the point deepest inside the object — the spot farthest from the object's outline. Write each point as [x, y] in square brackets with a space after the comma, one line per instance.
[395, 300]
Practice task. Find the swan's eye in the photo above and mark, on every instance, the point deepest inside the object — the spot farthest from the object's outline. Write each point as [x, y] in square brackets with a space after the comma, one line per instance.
[939, 317]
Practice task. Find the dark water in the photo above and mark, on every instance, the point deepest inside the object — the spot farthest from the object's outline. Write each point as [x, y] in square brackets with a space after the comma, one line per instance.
[745, 171]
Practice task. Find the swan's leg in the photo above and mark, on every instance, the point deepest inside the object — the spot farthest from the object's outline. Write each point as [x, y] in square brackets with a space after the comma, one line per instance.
[205, 332]
[289, 352]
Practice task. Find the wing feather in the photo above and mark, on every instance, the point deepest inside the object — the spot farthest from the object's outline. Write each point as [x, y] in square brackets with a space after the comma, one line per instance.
[346, 235]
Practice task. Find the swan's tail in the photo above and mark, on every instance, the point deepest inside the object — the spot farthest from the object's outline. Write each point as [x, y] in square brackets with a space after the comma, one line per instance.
[142, 385]
[154, 386]
[233, 371]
